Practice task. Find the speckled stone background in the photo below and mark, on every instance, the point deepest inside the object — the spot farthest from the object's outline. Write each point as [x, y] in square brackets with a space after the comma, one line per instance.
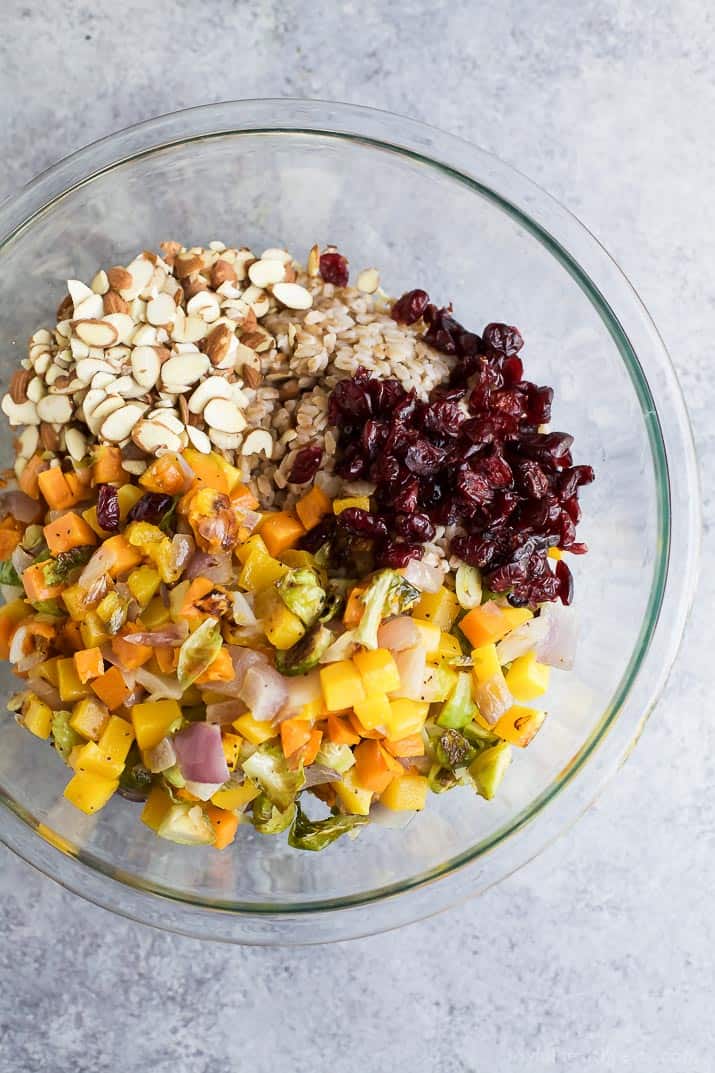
[598, 956]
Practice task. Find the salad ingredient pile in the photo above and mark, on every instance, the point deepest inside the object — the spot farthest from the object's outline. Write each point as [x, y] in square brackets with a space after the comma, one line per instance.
[280, 549]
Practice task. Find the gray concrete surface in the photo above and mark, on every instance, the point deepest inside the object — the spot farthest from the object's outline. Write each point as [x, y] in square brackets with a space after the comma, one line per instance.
[597, 956]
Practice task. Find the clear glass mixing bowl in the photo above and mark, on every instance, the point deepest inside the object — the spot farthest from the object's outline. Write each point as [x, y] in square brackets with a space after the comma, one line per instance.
[432, 211]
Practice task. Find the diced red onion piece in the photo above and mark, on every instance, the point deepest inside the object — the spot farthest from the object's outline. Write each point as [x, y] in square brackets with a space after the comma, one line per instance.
[158, 686]
[398, 634]
[100, 564]
[493, 698]
[217, 567]
[558, 646]
[522, 639]
[170, 636]
[424, 577]
[264, 691]
[11, 592]
[21, 506]
[224, 711]
[200, 754]
[411, 663]
[182, 549]
[318, 775]
[21, 559]
[46, 692]
[303, 689]
[161, 757]
[203, 790]
[242, 611]
[189, 475]
[341, 648]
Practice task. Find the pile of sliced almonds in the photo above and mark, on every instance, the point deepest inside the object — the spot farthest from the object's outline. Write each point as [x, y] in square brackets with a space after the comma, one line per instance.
[159, 355]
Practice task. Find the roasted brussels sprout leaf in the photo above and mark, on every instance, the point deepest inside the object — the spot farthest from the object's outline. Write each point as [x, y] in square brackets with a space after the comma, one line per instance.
[58, 570]
[8, 574]
[64, 738]
[306, 653]
[387, 594]
[269, 820]
[267, 766]
[317, 834]
[198, 652]
[301, 592]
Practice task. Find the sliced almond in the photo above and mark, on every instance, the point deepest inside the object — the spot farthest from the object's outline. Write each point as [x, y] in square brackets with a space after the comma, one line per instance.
[36, 388]
[78, 291]
[225, 441]
[118, 425]
[264, 273]
[144, 335]
[192, 285]
[222, 272]
[90, 308]
[99, 333]
[135, 466]
[368, 281]
[103, 380]
[185, 264]
[292, 295]
[253, 377]
[76, 443]
[127, 387]
[119, 278]
[205, 305]
[141, 270]
[55, 409]
[258, 442]
[214, 387]
[276, 254]
[42, 363]
[24, 413]
[199, 439]
[151, 436]
[78, 348]
[92, 400]
[167, 417]
[184, 368]
[64, 309]
[19, 384]
[41, 336]
[313, 266]
[100, 283]
[223, 416]
[100, 413]
[87, 367]
[123, 324]
[145, 365]
[161, 310]
[218, 343]
[114, 303]
[27, 442]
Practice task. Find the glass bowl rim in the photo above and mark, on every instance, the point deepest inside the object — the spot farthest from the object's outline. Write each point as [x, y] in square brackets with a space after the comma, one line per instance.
[558, 232]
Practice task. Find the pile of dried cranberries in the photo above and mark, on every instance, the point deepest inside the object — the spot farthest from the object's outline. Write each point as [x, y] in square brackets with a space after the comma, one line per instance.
[472, 457]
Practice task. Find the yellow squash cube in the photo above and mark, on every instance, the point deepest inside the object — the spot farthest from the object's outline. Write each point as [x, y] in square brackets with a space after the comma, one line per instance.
[89, 718]
[254, 543]
[89, 793]
[254, 730]
[233, 797]
[155, 614]
[128, 495]
[157, 805]
[68, 683]
[37, 717]
[519, 725]
[406, 717]
[378, 671]
[48, 670]
[282, 628]
[360, 502]
[430, 635]
[373, 712]
[259, 571]
[527, 678]
[407, 793]
[73, 599]
[93, 630]
[90, 516]
[116, 739]
[342, 685]
[152, 719]
[143, 584]
[352, 796]
[516, 616]
[93, 761]
[485, 663]
[231, 748]
[440, 608]
[448, 648]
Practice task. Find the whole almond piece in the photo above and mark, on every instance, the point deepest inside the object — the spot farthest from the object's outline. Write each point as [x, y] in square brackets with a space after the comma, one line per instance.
[222, 272]
[18, 385]
[48, 437]
[114, 303]
[217, 343]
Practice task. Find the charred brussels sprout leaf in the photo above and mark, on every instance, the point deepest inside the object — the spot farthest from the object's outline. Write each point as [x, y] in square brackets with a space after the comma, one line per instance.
[306, 653]
[301, 592]
[268, 819]
[317, 834]
[453, 750]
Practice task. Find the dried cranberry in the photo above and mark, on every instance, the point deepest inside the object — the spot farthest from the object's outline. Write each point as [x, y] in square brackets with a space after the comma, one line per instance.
[414, 526]
[531, 479]
[565, 579]
[444, 417]
[424, 458]
[385, 395]
[108, 507]
[407, 499]
[362, 522]
[151, 508]
[306, 464]
[334, 268]
[348, 398]
[410, 307]
[319, 535]
[512, 370]
[503, 339]
[395, 555]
